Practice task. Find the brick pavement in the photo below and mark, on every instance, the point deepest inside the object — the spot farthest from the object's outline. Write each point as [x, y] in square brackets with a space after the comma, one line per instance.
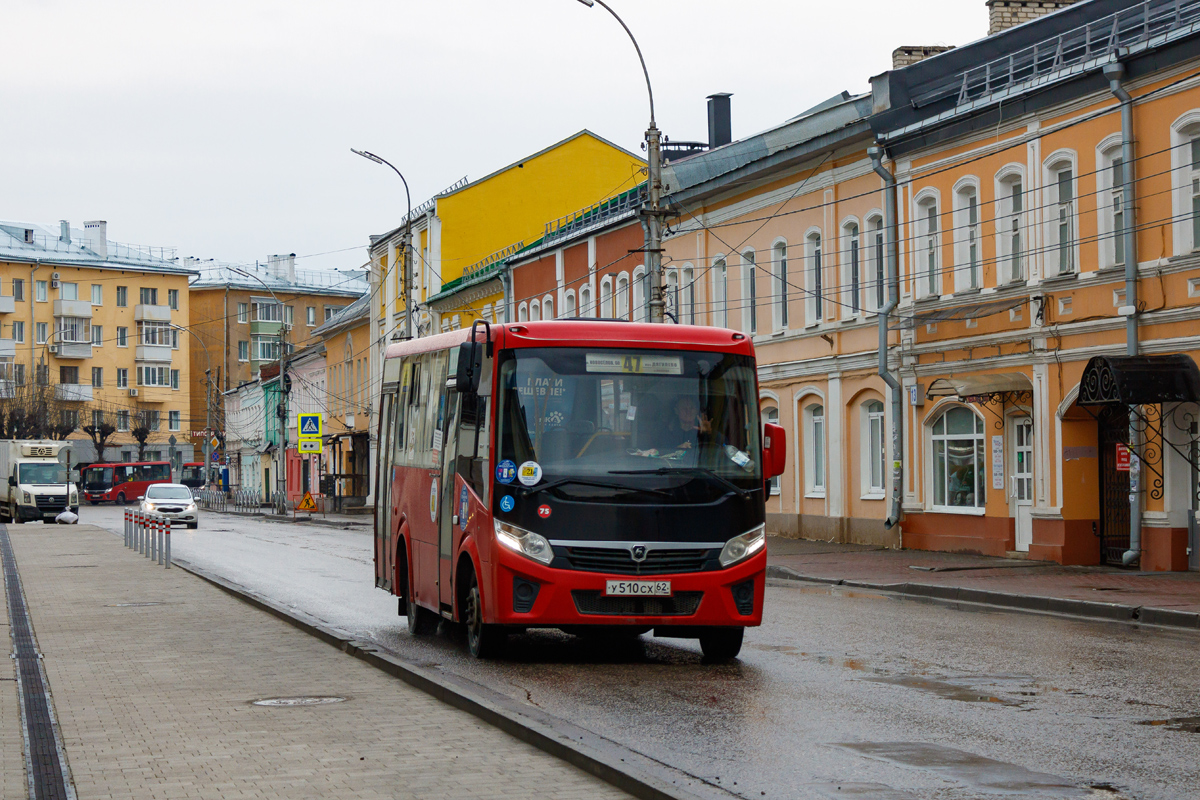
[1178, 591]
[155, 700]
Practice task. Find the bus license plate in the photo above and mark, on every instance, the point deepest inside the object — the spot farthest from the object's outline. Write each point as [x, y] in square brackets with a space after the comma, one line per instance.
[637, 588]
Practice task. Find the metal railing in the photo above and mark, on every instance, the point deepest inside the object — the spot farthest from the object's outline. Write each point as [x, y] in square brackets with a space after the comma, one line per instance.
[595, 213]
[212, 499]
[150, 535]
[246, 501]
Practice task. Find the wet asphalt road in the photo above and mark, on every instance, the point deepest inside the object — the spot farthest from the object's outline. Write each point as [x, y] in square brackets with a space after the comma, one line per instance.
[839, 694]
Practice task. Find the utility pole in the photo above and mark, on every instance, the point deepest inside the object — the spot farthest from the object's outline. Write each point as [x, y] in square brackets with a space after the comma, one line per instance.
[404, 258]
[284, 390]
[207, 426]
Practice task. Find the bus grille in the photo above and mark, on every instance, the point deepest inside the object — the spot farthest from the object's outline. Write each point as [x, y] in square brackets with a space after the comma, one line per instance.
[681, 604]
[618, 561]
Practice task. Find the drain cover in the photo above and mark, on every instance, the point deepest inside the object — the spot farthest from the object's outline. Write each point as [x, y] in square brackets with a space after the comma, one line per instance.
[287, 702]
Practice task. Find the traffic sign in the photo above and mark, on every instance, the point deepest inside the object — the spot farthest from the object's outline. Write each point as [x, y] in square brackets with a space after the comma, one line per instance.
[309, 425]
[306, 503]
[215, 442]
[310, 445]
[216, 456]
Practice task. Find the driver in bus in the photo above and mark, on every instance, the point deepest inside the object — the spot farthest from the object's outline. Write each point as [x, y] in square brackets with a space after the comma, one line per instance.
[688, 427]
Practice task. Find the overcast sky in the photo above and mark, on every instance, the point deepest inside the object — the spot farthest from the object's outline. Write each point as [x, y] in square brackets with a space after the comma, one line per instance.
[223, 128]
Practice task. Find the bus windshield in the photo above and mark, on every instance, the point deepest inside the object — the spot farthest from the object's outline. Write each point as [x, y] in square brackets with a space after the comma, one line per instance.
[612, 417]
[98, 477]
[41, 473]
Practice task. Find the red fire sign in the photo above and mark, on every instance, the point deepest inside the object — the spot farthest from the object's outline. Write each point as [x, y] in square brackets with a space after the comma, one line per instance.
[1123, 457]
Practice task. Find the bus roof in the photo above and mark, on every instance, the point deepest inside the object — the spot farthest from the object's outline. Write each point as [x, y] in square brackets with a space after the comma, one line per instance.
[583, 332]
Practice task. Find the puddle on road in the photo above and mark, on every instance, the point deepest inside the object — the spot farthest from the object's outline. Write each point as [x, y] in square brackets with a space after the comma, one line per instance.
[964, 692]
[1185, 724]
[873, 791]
[979, 772]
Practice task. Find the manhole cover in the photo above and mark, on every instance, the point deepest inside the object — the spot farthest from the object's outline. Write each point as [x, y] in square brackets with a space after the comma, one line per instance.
[287, 702]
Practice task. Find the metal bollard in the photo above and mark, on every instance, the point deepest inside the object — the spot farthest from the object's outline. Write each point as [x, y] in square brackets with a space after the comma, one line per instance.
[127, 527]
[142, 536]
[168, 547]
[137, 531]
[153, 539]
[164, 527]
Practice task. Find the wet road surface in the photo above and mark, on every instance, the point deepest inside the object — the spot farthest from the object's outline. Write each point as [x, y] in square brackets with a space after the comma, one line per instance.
[840, 693]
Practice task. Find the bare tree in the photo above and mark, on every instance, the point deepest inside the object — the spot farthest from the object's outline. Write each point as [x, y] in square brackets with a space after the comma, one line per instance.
[100, 434]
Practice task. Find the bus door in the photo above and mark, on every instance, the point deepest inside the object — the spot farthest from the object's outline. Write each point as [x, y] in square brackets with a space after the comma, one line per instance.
[448, 507]
[383, 493]
[425, 483]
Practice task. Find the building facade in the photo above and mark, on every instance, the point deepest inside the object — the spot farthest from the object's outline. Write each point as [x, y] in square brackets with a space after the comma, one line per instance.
[351, 387]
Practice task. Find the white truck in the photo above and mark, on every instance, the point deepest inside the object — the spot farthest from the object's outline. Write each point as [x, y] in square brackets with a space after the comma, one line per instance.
[37, 485]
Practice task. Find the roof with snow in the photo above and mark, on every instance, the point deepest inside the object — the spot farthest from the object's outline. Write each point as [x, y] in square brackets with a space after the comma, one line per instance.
[32, 242]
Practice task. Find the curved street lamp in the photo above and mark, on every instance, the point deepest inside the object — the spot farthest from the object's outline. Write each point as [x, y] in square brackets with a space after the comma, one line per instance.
[407, 242]
[652, 211]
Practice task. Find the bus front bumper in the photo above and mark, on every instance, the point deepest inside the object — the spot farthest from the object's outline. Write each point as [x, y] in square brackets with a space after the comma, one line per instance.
[561, 597]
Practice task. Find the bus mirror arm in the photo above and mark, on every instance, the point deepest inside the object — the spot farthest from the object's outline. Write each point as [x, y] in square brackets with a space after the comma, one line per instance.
[774, 450]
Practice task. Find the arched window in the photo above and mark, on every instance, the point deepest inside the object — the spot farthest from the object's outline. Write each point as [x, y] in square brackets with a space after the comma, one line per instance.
[720, 279]
[1111, 202]
[771, 415]
[535, 311]
[958, 460]
[547, 307]
[876, 264]
[606, 298]
[522, 313]
[874, 449]
[672, 297]
[966, 238]
[853, 278]
[929, 257]
[749, 294]
[1010, 226]
[623, 296]
[569, 304]
[1185, 166]
[1061, 211]
[815, 275]
[455, 322]
[780, 271]
[640, 295]
[814, 449]
[687, 289]
[585, 301]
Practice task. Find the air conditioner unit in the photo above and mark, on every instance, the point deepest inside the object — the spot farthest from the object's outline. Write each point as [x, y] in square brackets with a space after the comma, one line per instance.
[53, 349]
[54, 284]
[54, 277]
[133, 392]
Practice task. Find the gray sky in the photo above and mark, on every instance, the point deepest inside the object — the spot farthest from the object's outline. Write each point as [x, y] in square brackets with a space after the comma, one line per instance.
[223, 128]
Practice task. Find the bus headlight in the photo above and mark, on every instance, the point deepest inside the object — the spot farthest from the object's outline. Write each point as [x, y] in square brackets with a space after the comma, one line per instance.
[742, 547]
[528, 544]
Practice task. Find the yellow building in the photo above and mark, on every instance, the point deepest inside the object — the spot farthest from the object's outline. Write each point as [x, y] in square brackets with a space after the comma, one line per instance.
[460, 235]
[91, 335]
[350, 390]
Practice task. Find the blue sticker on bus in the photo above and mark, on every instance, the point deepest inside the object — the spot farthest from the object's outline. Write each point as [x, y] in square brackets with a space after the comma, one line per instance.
[507, 503]
[506, 471]
[462, 507]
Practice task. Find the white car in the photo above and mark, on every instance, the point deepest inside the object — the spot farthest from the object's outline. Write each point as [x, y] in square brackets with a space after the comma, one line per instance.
[173, 501]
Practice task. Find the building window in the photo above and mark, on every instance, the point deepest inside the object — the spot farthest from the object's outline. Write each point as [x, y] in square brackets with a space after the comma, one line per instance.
[1112, 207]
[771, 415]
[289, 315]
[122, 296]
[19, 374]
[852, 259]
[1010, 225]
[69, 291]
[153, 422]
[876, 270]
[42, 291]
[174, 379]
[781, 286]
[173, 299]
[671, 300]
[816, 296]
[41, 330]
[569, 304]
[122, 378]
[874, 449]
[535, 311]
[174, 338]
[266, 348]
[123, 423]
[154, 333]
[70, 418]
[154, 376]
[68, 375]
[523, 313]
[97, 377]
[958, 460]
[640, 295]
[43, 374]
[815, 449]
[720, 272]
[928, 256]
[966, 238]
[330, 311]
[173, 420]
[97, 418]
[97, 294]
[97, 335]
[310, 316]
[243, 351]
[18, 332]
[585, 302]
[122, 336]
[687, 289]
[74, 330]
[148, 296]
[268, 312]
[606, 298]
[1193, 186]
[750, 293]
[1061, 188]
[243, 312]
[622, 296]
[18, 289]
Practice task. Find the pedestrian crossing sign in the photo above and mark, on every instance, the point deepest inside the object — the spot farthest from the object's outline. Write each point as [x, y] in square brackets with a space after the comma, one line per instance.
[309, 426]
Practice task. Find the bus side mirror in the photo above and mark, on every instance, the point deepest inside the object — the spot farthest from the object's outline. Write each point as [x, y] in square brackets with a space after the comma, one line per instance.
[470, 367]
[774, 450]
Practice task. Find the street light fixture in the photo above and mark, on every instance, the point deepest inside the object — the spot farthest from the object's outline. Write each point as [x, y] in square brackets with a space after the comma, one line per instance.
[407, 242]
[652, 210]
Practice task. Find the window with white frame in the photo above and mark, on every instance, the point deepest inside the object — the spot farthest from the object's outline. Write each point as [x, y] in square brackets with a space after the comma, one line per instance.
[623, 296]
[154, 333]
[1010, 227]
[569, 304]
[1193, 187]
[69, 291]
[97, 294]
[928, 252]
[967, 242]
[672, 296]
[814, 449]
[876, 270]
[97, 377]
[606, 297]
[814, 275]
[41, 293]
[41, 331]
[18, 332]
[243, 350]
[265, 348]
[780, 271]
[173, 420]
[535, 310]
[851, 258]
[771, 415]
[123, 420]
[1061, 212]
[154, 376]
[310, 316]
[749, 294]
[958, 459]
[122, 378]
[148, 296]
[640, 295]
[1111, 202]
[97, 335]
[585, 301]
[523, 313]
[268, 312]
[720, 294]
[687, 296]
[122, 336]
[243, 312]
[547, 307]
[74, 330]
[874, 450]
[173, 299]
[487, 313]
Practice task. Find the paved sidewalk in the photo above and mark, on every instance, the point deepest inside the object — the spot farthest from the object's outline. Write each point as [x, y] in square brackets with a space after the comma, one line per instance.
[827, 562]
[153, 673]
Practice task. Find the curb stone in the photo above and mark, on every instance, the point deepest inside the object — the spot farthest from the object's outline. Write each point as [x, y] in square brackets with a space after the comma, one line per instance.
[1116, 612]
[600, 757]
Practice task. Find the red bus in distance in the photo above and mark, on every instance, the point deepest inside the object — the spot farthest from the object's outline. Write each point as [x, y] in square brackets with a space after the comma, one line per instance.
[122, 483]
[593, 476]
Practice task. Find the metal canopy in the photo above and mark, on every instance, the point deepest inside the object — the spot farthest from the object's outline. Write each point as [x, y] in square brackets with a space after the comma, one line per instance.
[1139, 380]
[958, 312]
[979, 385]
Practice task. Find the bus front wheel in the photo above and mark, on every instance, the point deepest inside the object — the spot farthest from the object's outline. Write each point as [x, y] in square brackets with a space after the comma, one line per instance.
[722, 644]
[121, 499]
[483, 640]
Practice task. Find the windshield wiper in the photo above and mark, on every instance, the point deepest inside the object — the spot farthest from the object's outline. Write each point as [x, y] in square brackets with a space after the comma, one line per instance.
[684, 471]
[599, 484]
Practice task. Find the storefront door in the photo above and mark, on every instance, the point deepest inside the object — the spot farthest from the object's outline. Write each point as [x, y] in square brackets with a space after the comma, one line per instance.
[1113, 429]
[1021, 481]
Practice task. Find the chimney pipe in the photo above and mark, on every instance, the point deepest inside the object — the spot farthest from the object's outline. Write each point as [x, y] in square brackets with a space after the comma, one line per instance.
[97, 232]
[64, 231]
[719, 128]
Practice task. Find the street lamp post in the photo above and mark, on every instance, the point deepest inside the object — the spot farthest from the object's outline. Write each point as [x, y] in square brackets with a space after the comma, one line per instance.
[652, 211]
[406, 245]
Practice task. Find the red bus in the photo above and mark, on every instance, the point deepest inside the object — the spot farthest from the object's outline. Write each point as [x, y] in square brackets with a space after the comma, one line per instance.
[593, 476]
[122, 483]
[192, 475]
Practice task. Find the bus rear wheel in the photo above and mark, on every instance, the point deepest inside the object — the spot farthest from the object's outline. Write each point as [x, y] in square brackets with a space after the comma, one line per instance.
[483, 640]
[722, 644]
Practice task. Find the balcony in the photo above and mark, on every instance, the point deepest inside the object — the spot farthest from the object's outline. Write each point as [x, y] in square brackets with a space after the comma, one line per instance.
[72, 349]
[151, 394]
[153, 352]
[144, 313]
[73, 308]
[8, 389]
[73, 392]
[7, 305]
[8, 348]
[258, 328]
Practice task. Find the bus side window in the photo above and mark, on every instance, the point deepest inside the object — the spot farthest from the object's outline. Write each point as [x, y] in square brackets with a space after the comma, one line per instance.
[400, 411]
[473, 444]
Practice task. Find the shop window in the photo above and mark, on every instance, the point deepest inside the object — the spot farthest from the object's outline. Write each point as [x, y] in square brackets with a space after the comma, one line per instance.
[874, 450]
[958, 460]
